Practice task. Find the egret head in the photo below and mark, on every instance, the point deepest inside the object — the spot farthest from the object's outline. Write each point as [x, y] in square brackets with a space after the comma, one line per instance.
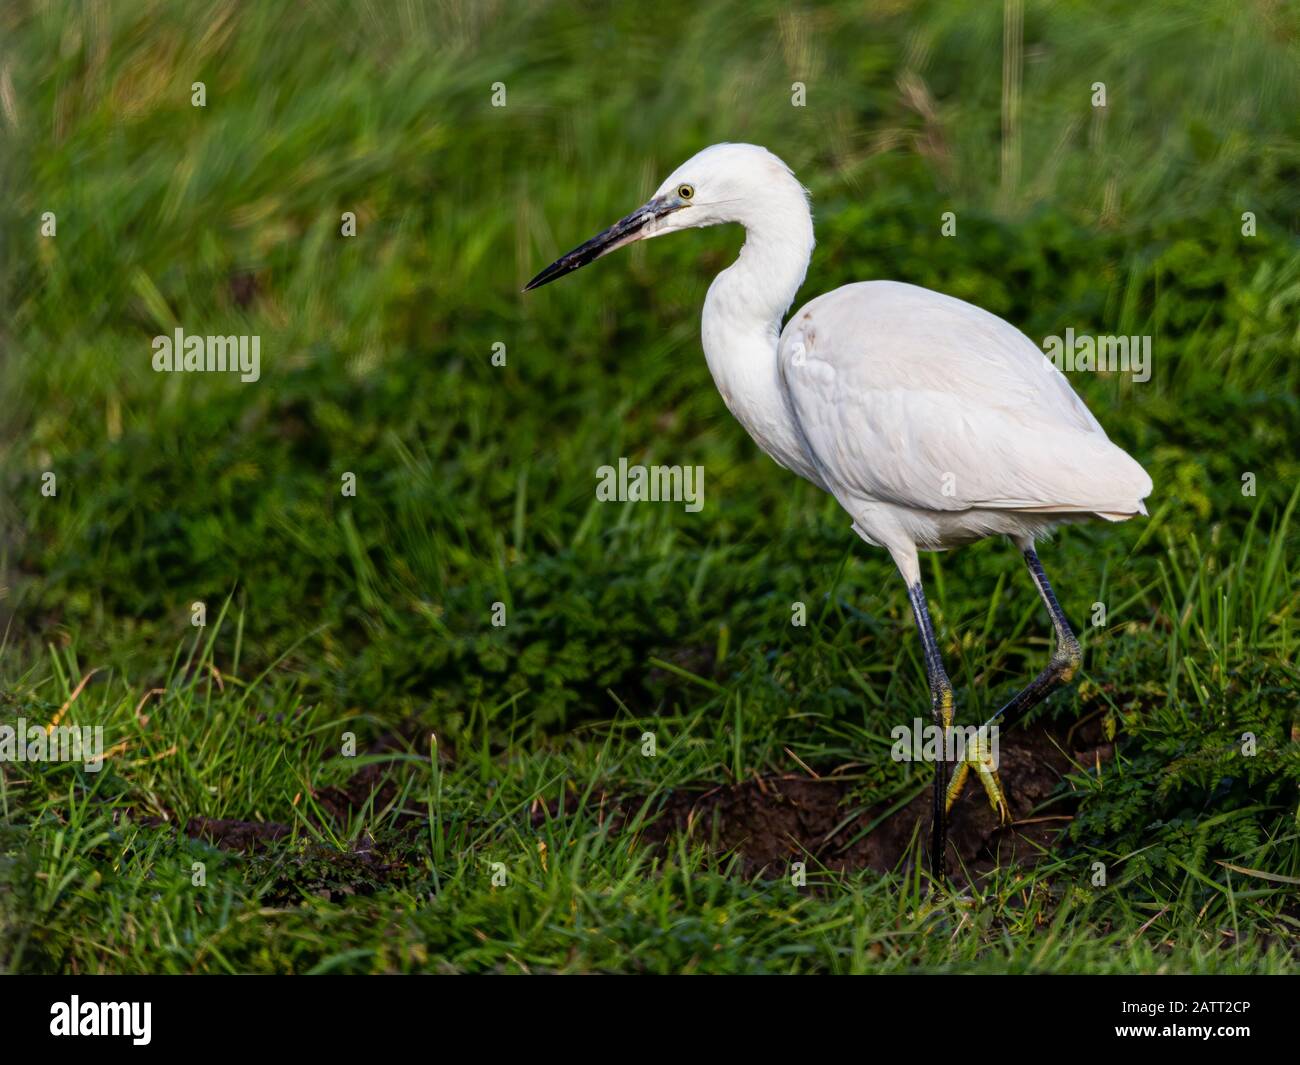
[723, 183]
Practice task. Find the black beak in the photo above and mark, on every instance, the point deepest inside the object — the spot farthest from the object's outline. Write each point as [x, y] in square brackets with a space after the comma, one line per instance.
[623, 232]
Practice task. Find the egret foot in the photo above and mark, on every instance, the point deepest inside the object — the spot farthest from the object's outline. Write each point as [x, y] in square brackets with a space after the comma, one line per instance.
[979, 756]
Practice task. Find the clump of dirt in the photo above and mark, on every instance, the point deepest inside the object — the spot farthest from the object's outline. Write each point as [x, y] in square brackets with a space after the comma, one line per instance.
[243, 288]
[295, 869]
[772, 821]
[372, 783]
[243, 836]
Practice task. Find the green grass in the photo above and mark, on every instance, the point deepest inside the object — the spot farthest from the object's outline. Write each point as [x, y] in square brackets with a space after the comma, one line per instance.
[475, 484]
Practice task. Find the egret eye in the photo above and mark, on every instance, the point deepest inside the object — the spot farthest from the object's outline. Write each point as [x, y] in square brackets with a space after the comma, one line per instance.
[685, 191]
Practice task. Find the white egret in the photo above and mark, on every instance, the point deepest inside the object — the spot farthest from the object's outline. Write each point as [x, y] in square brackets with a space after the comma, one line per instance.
[933, 423]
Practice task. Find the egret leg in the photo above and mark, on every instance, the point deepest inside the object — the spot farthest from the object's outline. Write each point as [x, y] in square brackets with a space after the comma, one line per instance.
[1066, 658]
[941, 709]
[1064, 663]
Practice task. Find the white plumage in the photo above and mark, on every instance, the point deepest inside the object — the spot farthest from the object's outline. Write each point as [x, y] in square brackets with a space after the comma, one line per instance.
[982, 433]
[934, 423]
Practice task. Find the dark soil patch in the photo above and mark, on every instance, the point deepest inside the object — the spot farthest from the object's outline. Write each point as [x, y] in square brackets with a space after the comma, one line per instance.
[243, 836]
[372, 783]
[771, 822]
[244, 288]
[292, 870]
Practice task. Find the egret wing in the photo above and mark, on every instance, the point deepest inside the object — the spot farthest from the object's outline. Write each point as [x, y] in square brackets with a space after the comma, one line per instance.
[908, 396]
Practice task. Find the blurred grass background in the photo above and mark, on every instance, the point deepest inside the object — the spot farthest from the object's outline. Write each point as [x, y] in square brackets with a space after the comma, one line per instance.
[475, 483]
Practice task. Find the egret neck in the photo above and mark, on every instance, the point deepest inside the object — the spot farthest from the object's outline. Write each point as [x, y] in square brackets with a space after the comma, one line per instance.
[741, 324]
